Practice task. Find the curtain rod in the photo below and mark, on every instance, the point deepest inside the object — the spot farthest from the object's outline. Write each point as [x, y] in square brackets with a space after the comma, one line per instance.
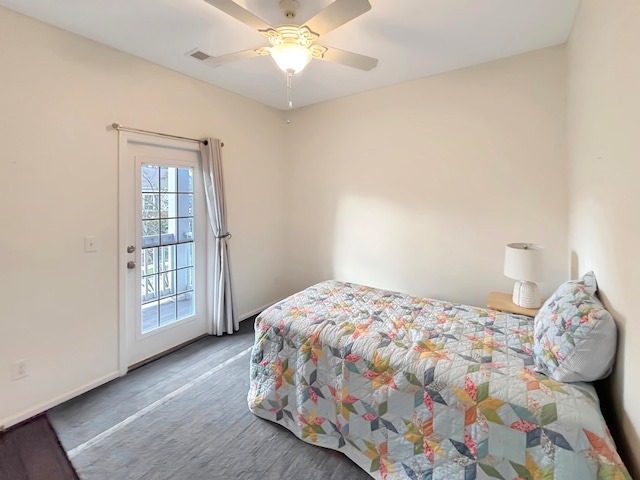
[117, 126]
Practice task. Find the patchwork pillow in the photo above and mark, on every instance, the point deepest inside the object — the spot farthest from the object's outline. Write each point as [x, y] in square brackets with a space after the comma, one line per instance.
[574, 336]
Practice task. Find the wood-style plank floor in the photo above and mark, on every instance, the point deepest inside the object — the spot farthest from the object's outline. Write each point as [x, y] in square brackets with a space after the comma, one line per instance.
[31, 451]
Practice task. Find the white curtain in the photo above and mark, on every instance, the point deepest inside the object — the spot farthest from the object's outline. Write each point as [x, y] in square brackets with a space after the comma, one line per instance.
[221, 308]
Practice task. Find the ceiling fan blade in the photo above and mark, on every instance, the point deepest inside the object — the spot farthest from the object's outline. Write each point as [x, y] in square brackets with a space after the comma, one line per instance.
[232, 57]
[350, 59]
[239, 13]
[337, 14]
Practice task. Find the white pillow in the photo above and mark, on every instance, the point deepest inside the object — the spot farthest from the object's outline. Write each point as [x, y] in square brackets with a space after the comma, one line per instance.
[574, 336]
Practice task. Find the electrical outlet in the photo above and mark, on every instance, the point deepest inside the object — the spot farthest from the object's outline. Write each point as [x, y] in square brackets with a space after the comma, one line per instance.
[19, 369]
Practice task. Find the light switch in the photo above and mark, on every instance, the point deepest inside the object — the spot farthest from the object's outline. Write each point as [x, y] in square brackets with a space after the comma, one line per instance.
[90, 244]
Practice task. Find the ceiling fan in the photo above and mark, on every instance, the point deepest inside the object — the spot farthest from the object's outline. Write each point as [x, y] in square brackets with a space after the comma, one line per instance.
[292, 46]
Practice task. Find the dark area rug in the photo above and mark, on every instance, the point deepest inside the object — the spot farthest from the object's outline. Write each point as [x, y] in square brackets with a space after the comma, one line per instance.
[185, 416]
[31, 451]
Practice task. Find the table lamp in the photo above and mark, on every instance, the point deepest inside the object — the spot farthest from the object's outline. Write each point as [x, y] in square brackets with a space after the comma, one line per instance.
[523, 262]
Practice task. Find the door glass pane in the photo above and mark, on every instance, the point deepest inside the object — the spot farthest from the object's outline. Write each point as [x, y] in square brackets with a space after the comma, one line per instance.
[168, 179]
[150, 233]
[150, 206]
[184, 255]
[149, 288]
[167, 256]
[186, 304]
[167, 311]
[185, 180]
[168, 227]
[184, 282]
[167, 284]
[149, 264]
[168, 205]
[150, 178]
[150, 320]
[185, 229]
[185, 205]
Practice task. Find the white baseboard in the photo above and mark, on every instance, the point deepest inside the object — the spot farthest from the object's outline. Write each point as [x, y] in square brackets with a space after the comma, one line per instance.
[43, 407]
[258, 310]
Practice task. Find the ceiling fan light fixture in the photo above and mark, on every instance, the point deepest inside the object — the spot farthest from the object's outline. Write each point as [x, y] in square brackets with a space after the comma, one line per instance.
[290, 56]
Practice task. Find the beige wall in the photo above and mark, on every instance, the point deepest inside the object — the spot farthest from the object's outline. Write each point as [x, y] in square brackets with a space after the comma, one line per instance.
[418, 187]
[604, 166]
[58, 183]
[415, 187]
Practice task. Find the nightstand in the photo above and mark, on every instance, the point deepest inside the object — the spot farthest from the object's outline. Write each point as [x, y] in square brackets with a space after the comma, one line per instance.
[503, 302]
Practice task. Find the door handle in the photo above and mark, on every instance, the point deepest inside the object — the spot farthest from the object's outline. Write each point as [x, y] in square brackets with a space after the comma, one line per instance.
[131, 249]
[131, 264]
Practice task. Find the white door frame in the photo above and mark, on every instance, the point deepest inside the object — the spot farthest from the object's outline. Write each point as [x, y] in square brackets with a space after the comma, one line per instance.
[126, 186]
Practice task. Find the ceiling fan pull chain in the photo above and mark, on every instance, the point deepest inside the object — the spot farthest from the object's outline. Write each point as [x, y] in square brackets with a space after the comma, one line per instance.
[289, 80]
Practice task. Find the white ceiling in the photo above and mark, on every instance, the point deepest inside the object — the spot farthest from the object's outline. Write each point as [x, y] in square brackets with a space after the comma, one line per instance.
[411, 38]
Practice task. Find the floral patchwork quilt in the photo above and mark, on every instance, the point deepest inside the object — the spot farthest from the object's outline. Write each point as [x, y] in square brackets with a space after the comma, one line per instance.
[415, 388]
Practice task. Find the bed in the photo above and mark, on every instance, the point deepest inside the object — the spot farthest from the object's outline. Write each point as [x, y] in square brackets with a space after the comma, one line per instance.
[416, 388]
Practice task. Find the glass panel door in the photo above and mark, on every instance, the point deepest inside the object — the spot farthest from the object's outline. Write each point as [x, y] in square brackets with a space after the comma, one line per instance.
[163, 233]
[167, 270]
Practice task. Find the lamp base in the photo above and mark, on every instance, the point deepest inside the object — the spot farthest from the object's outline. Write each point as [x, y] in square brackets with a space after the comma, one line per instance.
[526, 294]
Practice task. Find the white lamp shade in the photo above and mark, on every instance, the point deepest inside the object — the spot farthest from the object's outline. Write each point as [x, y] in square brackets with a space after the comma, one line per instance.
[290, 56]
[523, 261]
